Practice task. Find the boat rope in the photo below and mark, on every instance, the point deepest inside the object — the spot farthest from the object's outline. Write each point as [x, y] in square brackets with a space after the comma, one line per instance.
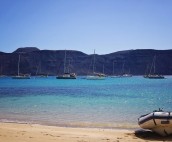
[165, 132]
[154, 119]
[168, 116]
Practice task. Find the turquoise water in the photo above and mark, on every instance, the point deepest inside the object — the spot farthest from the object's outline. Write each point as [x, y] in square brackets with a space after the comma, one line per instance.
[110, 103]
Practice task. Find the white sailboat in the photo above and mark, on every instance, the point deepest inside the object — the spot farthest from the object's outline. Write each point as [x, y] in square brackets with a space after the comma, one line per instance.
[151, 74]
[1, 75]
[66, 74]
[19, 76]
[125, 74]
[115, 76]
[40, 75]
[1, 71]
[95, 76]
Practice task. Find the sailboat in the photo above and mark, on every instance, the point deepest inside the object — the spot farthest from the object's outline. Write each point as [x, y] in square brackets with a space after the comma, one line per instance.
[40, 75]
[153, 75]
[125, 74]
[115, 76]
[1, 71]
[146, 71]
[66, 74]
[95, 76]
[18, 76]
[1, 75]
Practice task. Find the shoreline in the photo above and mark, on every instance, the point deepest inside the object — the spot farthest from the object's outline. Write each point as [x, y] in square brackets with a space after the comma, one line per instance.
[18, 132]
[117, 125]
[71, 126]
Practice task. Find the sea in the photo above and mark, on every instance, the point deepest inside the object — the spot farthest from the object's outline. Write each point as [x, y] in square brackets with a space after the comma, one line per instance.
[109, 103]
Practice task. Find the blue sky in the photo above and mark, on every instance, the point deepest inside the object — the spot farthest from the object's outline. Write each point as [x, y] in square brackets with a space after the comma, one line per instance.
[104, 25]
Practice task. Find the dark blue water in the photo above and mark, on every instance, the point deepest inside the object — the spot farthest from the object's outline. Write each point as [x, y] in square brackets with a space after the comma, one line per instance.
[114, 102]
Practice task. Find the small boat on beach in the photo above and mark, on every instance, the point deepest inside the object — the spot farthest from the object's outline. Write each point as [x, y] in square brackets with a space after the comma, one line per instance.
[157, 121]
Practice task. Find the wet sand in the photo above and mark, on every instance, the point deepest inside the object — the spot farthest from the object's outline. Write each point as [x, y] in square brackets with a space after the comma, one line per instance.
[13, 132]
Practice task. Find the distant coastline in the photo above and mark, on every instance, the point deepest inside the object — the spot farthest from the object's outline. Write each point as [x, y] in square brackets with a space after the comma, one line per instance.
[51, 62]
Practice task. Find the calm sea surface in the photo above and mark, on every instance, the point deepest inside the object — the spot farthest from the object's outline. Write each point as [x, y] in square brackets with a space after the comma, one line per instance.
[110, 103]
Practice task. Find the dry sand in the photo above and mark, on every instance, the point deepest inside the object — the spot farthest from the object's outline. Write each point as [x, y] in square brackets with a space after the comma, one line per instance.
[12, 132]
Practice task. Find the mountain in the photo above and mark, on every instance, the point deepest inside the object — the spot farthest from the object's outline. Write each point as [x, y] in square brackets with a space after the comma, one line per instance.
[51, 61]
[26, 49]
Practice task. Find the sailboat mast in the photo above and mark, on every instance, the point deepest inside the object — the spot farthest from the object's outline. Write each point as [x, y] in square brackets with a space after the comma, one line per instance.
[65, 62]
[1, 69]
[69, 65]
[146, 71]
[94, 62]
[153, 65]
[123, 68]
[113, 67]
[19, 66]
[37, 69]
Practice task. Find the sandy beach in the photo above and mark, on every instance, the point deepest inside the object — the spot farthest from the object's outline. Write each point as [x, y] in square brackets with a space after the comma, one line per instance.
[12, 132]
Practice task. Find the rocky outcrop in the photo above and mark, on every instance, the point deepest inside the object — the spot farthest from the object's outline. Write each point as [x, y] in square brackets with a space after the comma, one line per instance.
[51, 62]
[26, 49]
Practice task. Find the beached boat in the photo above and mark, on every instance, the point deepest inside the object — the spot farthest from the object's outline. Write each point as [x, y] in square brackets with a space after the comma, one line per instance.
[20, 76]
[95, 75]
[66, 74]
[157, 121]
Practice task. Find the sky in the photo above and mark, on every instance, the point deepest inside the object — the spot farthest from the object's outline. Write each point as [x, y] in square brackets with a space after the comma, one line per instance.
[84, 25]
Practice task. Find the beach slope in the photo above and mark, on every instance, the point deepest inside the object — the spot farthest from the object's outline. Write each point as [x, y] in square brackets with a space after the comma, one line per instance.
[13, 132]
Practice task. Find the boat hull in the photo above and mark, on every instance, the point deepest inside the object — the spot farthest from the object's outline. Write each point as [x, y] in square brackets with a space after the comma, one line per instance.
[67, 76]
[95, 78]
[158, 77]
[159, 122]
[117, 76]
[21, 77]
[61, 77]
[154, 76]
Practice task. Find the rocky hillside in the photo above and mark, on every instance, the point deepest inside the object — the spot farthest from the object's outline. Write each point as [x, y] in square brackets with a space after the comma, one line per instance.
[36, 62]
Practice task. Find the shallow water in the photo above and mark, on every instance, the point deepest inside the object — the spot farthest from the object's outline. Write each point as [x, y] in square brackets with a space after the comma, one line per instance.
[110, 103]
